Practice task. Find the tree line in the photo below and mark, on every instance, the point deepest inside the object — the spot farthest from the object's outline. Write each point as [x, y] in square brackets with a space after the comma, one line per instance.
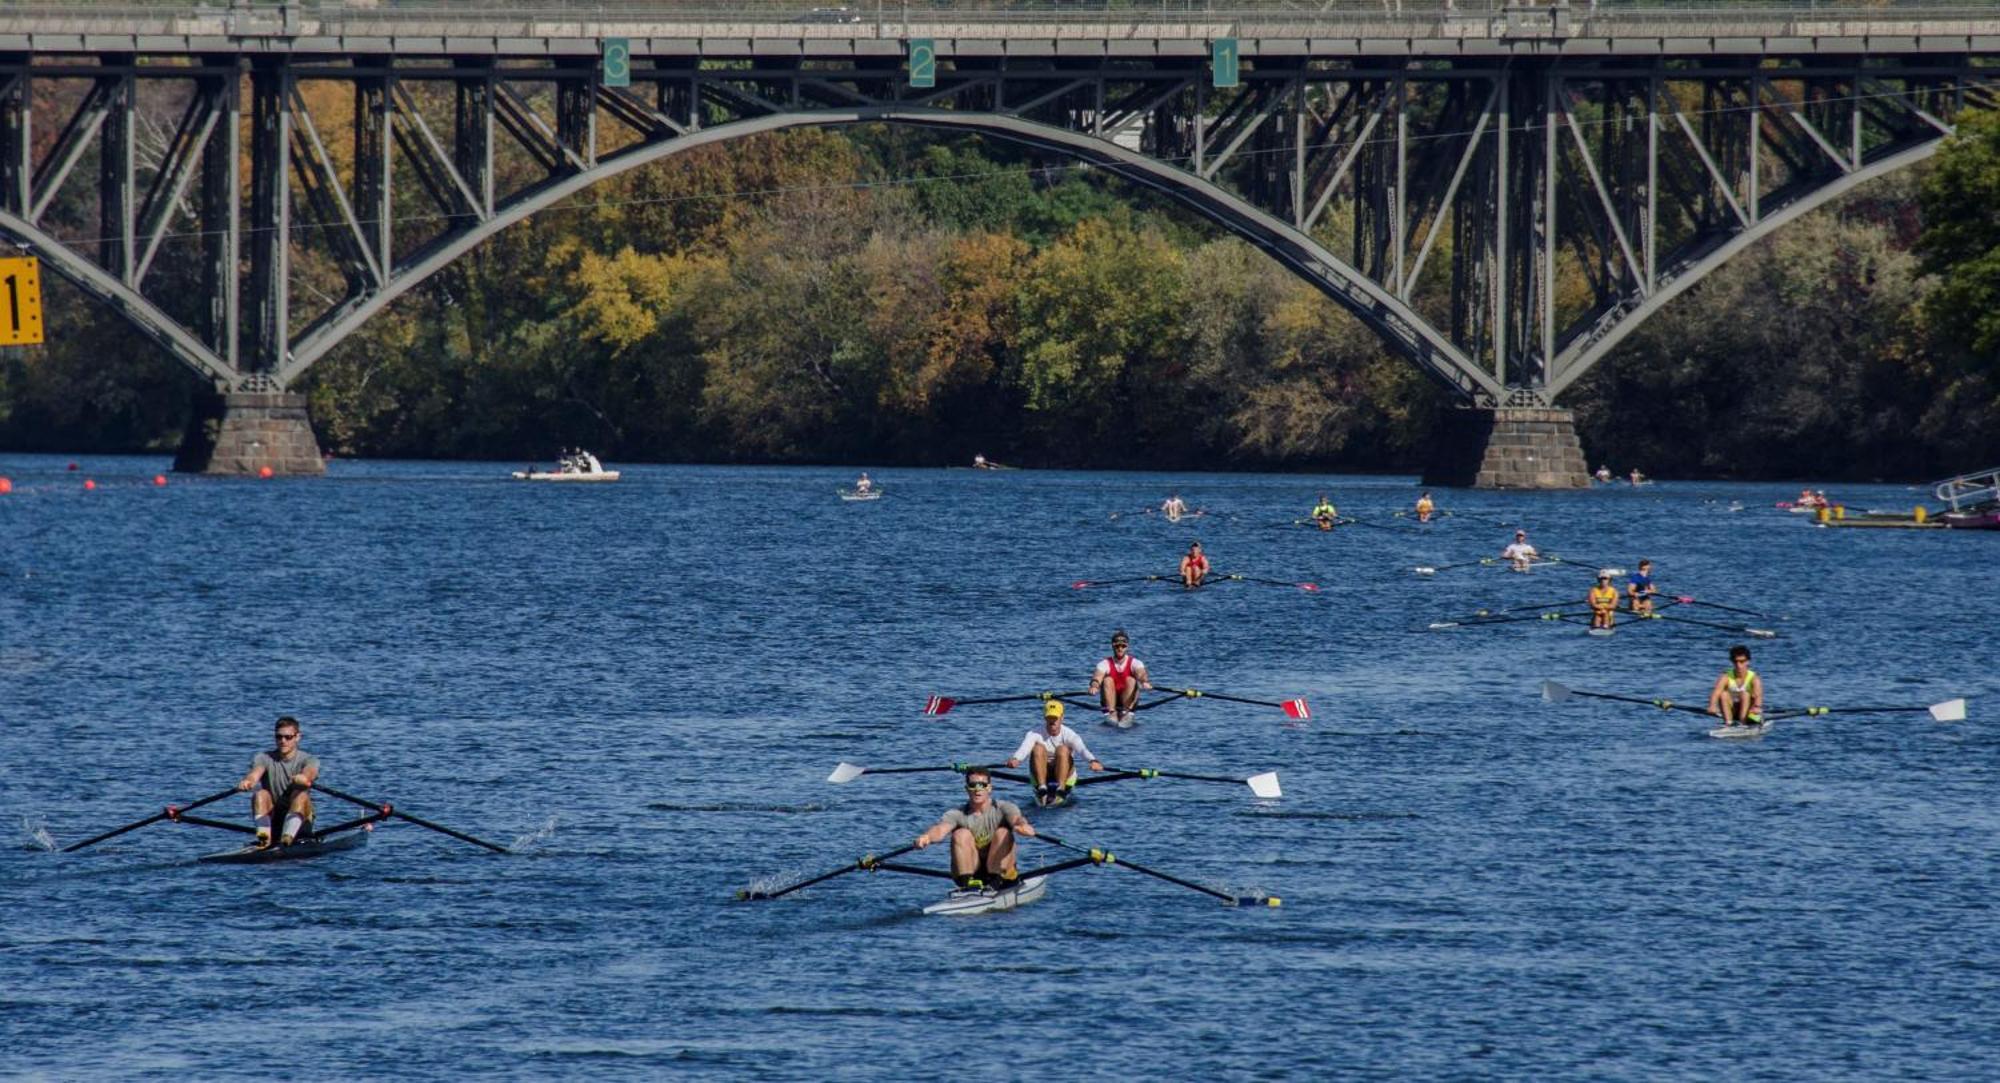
[883, 295]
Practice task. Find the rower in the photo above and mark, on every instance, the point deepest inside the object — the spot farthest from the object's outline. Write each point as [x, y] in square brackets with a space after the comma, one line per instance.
[1603, 601]
[1174, 508]
[1520, 554]
[981, 832]
[1118, 679]
[1603, 473]
[1194, 566]
[1637, 477]
[1052, 753]
[1425, 508]
[1738, 695]
[286, 774]
[1640, 589]
[1324, 513]
[862, 484]
[979, 462]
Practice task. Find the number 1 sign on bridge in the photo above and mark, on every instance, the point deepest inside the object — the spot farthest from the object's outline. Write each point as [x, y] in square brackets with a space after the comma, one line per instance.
[21, 318]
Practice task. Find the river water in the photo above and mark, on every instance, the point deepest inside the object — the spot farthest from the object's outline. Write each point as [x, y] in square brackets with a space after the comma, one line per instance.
[642, 687]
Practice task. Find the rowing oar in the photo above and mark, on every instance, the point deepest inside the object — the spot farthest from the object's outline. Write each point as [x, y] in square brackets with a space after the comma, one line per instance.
[1593, 565]
[1264, 785]
[1759, 633]
[1105, 857]
[867, 861]
[171, 812]
[1430, 569]
[944, 704]
[848, 772]
[1951, 710]
[1082, 583]
[388, 810]
[1307, 587]
[1294, 708]
[1684, 599]
[1556, 693]
[1474, 622]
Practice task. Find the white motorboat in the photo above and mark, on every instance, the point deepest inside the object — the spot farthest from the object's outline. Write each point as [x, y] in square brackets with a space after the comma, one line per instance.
[576, 466]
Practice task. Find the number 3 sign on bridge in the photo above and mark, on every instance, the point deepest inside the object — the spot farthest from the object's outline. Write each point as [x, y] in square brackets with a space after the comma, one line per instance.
[22, 323]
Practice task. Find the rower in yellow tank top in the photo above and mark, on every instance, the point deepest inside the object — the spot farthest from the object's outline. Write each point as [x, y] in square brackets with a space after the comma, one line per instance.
[1738, 695]
[1603, 601]
[1425, 508]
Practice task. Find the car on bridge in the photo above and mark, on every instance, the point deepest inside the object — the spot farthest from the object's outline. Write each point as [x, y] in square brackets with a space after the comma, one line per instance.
[831, 15]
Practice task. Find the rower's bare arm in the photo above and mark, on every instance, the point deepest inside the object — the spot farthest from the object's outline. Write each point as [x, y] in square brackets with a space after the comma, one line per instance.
[1715, 696]
[251, 779]
[934, 833]
[1022, 827]
[308, 776]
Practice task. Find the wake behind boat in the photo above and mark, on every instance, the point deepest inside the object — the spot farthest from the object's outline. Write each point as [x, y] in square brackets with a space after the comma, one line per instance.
[574, 466]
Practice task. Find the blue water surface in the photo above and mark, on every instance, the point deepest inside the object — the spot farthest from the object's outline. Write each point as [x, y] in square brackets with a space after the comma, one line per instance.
[641, 687]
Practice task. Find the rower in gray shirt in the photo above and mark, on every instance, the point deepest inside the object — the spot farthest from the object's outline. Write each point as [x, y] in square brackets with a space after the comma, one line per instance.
[982, 834]
[283, 778]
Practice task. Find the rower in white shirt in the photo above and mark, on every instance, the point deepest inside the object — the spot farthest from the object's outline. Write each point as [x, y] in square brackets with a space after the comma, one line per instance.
[1052, 753]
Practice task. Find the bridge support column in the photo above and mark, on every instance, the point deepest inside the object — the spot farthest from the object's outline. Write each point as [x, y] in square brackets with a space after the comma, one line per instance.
[1512, 447]
[243, 432]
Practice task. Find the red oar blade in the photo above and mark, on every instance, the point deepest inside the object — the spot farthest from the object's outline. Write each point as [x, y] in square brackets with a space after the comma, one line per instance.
[1309, 588]
[1296, 708]
[1079, 584]
[939, 705]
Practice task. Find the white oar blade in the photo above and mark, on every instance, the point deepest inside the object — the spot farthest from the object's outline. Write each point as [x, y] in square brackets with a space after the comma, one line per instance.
[1441, 625]
[846, 772]
[1421, 570]
[1265, 785]
[1553, 692]
[1951, 710]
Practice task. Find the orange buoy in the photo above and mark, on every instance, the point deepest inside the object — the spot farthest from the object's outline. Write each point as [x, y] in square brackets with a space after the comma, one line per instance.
[88, 485]
[263, 471]
[6, 485]
[159, 479]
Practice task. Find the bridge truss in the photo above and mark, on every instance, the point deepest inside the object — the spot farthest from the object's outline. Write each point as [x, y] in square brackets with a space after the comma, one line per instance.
[1503, 222]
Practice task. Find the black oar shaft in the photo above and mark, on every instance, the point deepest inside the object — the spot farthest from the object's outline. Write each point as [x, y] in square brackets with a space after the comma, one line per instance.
[868, 861]
[1197, 694]
[1663, 704]
[1105, 857]
[388, 810]
[170, 812]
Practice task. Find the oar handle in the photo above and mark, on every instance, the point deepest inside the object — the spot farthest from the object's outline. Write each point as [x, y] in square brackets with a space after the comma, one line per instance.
[169, 813]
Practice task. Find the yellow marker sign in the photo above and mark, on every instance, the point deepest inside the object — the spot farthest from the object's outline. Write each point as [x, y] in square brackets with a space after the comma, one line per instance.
[21, 308]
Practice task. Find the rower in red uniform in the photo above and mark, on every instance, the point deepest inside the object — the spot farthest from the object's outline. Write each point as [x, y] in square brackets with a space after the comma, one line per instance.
[1194, 566]
[1118, 679]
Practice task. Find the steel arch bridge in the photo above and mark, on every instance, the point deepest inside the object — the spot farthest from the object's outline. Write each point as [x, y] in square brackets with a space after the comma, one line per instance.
[1502, 194]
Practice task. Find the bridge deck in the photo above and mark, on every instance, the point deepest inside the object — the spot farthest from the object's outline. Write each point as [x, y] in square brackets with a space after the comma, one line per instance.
[1164, 28]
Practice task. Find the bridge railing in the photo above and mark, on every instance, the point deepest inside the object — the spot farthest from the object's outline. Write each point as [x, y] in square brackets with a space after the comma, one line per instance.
[1301, 13]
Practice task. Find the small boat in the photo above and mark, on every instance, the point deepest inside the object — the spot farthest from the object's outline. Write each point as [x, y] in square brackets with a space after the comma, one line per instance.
[1738, 730]
[985, 900]
[860, 494]
[299, 850]
[580, 466]
[1602, 632]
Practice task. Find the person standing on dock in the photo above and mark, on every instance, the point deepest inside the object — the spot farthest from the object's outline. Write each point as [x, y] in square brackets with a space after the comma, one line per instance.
[286, 774]
[1052, 753]
[1119, 678]
[981, 832]
[1738, 695]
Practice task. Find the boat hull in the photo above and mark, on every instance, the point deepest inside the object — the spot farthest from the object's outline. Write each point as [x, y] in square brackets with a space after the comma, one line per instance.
[1738, 733]
[298, 851]
[986, 901]
[541, 475]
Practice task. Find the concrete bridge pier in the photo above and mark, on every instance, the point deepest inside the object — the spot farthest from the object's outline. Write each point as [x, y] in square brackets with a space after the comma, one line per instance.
[244, 432]
[1511, 447]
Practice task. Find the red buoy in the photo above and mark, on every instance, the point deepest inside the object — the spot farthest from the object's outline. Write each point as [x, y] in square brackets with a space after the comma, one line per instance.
[6, 485]
[263, 471]
[159, 479]
[72, 466]
[88, 485]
